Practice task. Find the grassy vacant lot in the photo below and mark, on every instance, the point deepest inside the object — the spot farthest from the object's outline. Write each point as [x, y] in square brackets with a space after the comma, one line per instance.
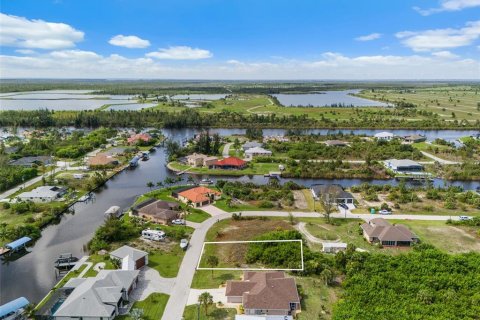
[452, 239]
[214, 313]
[253, 169]
[166, 263]
[317, 299]
[153, 306]
[463, 101]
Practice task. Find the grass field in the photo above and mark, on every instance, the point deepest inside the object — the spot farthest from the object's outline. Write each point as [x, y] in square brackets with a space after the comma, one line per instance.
[214, 313]
[153, 307]
[317, 299]
[462, 100]
[254, 168]
[166, 263]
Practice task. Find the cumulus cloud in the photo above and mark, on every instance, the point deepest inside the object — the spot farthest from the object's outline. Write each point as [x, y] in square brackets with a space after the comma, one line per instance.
[438, 39]
[449, 5]
[331, 65]
[129, 41]
[444, 54]
[369, 37]
[25, 51]
[180, 53]
[36, 34]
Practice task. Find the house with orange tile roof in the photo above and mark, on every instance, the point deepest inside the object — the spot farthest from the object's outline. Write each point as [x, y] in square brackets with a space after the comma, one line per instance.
[197, 196]
[229, 163]
[145, 137]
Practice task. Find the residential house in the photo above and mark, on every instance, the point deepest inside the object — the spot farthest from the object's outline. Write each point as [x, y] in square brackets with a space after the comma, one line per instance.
[43, 194]
[115, 151]
[320, 191]
[196, 196]
[130, 258]
[139, 137]
[333, 247]
[381, 231]
[414, 138]
[97, 298]
[33, 161]
[251, 144]
[200, 160]
[257, 152]
[158, 211]
[264, 293]
[102, 160]
[385, 136]
[336, 143]
[229, 163]
[403, 165]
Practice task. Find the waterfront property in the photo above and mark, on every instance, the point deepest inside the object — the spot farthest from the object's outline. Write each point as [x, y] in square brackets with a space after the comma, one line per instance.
[414, 138]
[130, 258]
[257, 152]
[403, 165]
[33, 161]
[251, 144]
[102, 160]
[322, 191]
[43, 194]
[158, 211]
[381, 231]
[196, 196]
[140, 137]
[102, 297]
[229, 163]
[200, 160]
[264, 293]
[385, 136]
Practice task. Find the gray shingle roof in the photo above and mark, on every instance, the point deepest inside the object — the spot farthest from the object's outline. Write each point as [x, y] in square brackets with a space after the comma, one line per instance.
[320, 189]
[124, 251]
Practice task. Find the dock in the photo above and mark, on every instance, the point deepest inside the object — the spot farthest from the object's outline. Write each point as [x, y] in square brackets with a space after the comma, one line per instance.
[15, 246]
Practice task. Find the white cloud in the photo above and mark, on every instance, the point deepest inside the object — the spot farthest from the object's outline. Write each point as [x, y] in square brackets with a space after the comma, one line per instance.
[129, 41]
[369, 37]
[36, 34]
[331, 65]
[444, 54]
[25, 51]
[180, 53]
[449, 5]
[438, 39]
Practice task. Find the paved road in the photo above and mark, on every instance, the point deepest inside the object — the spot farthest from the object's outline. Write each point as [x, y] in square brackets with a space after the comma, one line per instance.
[181, 286]
[226, 150]
[440, 160]
[28, 183]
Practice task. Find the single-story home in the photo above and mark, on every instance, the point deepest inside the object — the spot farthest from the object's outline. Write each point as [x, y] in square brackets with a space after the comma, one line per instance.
[158, 211]
[336, 143]
[403, 165]
[201, 160]
[43, 194]
[30, 161]
[264, 293]
[197, 196]
[257, 151]
[251, 144]
[333, 247]
[133, 139]
[326, 190]
[130, 258]
[380, 230]
[102, 160]
[97, 298]
[386, 136]
[229, 163]
[414, 138]
[115, 151]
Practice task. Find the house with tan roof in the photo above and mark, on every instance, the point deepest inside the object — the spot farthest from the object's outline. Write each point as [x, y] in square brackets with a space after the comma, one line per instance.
[102, 160]
[200, 160]
[158, 211]
[379, 230]
[197, 196]
[265, 293]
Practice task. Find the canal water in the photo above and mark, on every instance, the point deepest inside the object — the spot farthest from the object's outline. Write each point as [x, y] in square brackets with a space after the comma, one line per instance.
[33, 274]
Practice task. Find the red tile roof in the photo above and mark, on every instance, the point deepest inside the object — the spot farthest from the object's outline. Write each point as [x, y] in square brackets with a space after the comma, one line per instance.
[198, 194]
[141, 136]
[230, 162]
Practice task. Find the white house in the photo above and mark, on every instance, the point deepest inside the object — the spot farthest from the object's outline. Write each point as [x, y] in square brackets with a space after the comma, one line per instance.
[257, 151]
[334, 247]
[403, 165]
[43, 194]
[386, 136]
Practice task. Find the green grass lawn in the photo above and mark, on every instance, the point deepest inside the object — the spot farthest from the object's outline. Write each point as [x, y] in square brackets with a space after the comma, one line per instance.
[153, 307]
[222, 204]
[317, 299]
[254, 168]
[203, 279]
[96, 258]
[166, 263]
[214, 313]
[197, 215]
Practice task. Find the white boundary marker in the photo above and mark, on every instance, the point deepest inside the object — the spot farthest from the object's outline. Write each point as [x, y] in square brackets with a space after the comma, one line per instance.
[251, 269]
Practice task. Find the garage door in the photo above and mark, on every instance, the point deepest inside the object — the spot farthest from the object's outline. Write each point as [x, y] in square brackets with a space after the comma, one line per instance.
[140, 263]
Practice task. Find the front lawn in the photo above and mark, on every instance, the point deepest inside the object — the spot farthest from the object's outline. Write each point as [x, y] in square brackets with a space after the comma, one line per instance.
[214, 313]
[153, 307]
[166, 263]
[203, 279]
[197, 215]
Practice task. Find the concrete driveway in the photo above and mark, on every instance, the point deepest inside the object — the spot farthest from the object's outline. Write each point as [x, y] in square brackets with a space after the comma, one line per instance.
[150, 281]
[217, 294]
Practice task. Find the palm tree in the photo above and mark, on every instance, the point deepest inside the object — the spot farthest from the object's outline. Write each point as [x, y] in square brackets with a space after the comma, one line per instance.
[160, 184]
[136, 314]
[206, 299]
[212, 261]
[150, 184]
[326, 275]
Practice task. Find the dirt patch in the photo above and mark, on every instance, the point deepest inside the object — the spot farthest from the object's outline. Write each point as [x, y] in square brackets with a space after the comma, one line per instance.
[300, 201]
[464, 233]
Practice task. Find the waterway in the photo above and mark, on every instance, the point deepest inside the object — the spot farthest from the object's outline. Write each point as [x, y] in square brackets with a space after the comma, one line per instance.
[33, 274]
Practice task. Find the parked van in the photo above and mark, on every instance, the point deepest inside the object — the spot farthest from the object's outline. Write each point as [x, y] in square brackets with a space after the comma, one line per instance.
[464, 218]
[154, 235]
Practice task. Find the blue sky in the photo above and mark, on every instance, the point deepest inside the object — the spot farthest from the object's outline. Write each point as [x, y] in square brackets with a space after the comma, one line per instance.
[244, 39]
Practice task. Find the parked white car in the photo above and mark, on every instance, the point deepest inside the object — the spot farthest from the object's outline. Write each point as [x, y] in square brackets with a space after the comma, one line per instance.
[385, 212]
[464, 218]
[184, 244]
[178, 222]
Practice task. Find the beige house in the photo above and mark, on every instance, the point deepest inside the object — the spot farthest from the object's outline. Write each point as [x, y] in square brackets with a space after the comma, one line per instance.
[265, 293]
[381, 231]
[200, 160]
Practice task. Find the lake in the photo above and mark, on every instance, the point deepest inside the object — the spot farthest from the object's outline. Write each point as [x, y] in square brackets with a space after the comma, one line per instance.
[198, 96]
[327, 99]
[131, 106]
[60, 100]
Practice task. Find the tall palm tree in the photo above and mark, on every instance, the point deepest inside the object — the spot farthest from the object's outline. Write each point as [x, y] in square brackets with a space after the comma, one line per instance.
[206, 299]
